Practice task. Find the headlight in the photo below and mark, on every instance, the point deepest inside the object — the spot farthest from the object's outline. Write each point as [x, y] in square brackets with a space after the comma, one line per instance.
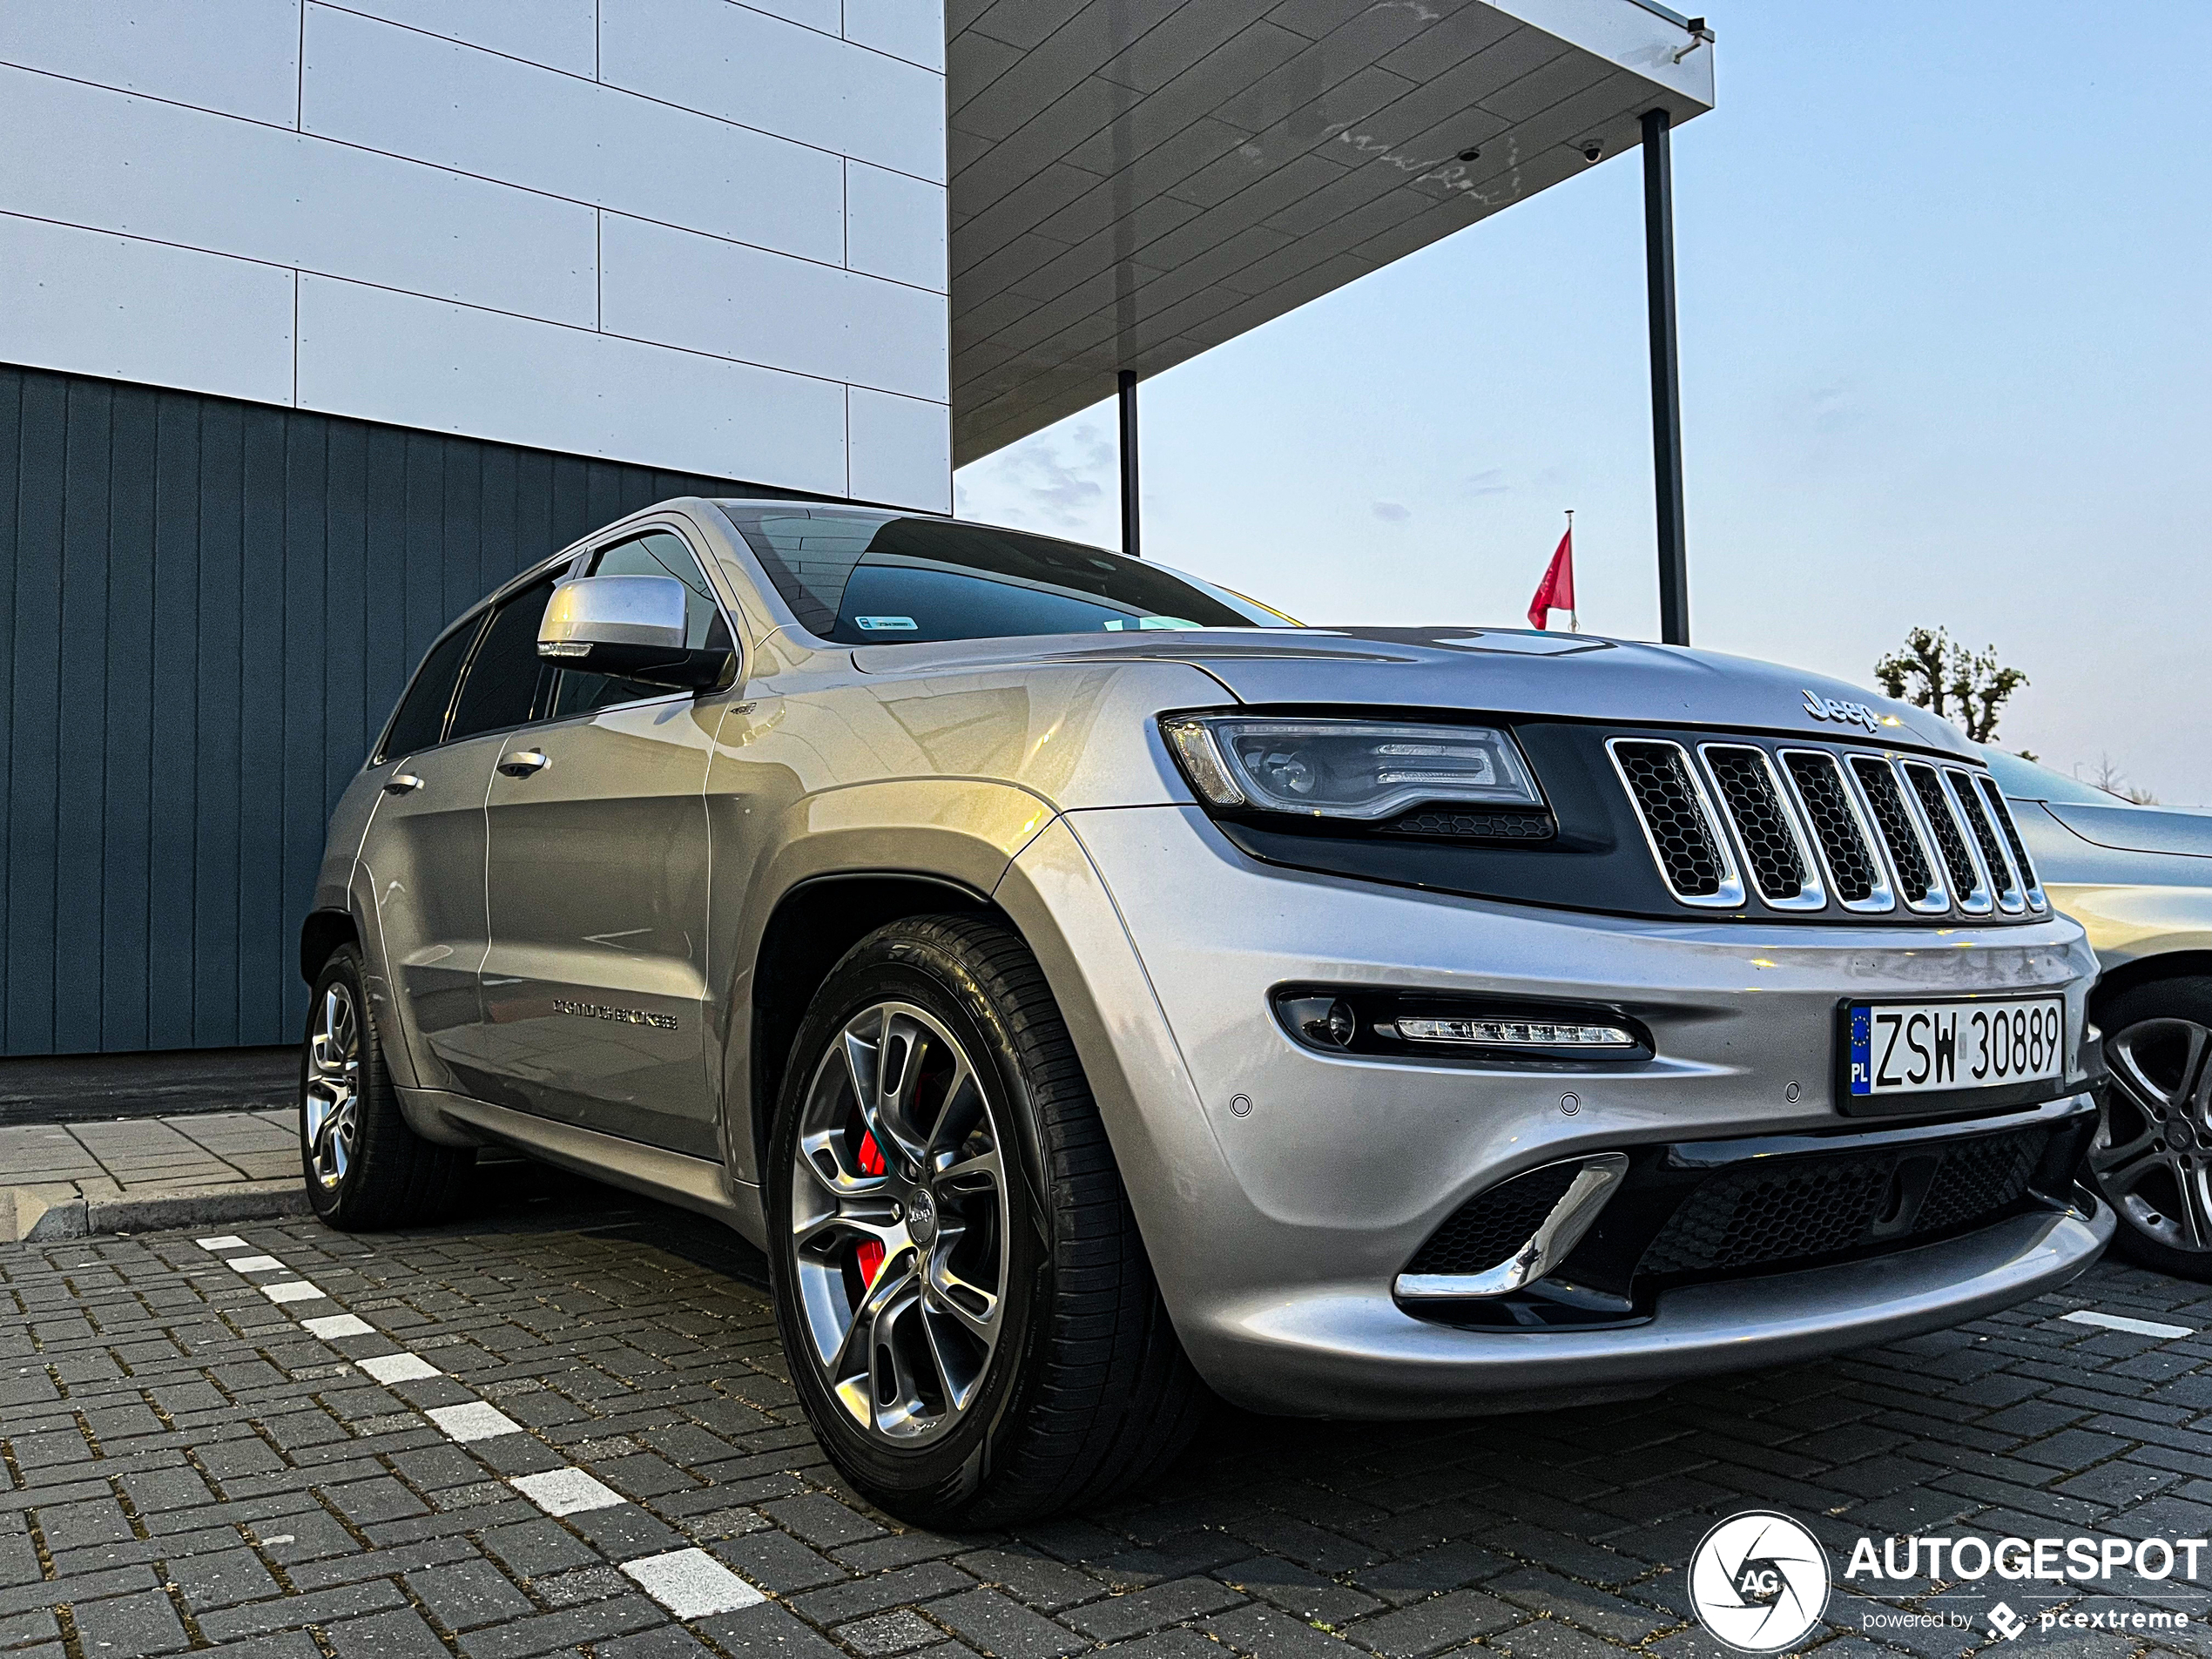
[1356, 769]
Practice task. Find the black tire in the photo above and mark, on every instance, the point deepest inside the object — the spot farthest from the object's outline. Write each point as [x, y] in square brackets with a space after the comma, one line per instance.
[2152, 1160]
[384, 1174]
[1087, 1392]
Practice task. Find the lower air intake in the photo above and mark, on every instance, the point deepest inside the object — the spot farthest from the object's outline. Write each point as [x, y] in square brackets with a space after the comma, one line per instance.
[1488, 1228]
[1762, 1215]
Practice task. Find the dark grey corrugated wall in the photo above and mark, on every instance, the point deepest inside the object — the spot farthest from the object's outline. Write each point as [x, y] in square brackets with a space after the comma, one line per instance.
[207, 610]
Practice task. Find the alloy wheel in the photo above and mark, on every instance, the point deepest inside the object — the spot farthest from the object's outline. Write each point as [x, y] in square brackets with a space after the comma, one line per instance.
[899, 1229]
[2152, 1159]
[331, 1103]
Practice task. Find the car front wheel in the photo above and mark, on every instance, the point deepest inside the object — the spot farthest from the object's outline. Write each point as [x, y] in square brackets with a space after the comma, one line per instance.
[973, 1327]
[2152, 1159]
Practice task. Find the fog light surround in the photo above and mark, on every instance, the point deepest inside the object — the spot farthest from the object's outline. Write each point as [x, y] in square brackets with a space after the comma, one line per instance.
[1434, 1028]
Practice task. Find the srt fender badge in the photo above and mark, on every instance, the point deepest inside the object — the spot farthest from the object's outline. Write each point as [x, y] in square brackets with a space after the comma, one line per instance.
[1830, 708]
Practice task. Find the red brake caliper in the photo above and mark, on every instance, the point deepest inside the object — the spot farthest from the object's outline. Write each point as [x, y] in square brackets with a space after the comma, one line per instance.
[868, 1253]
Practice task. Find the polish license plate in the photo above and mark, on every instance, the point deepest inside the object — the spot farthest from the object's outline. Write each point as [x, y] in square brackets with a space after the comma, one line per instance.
[1929, 1048]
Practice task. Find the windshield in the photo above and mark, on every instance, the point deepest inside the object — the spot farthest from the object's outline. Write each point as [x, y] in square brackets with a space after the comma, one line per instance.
[855, 578]
[2025, 780]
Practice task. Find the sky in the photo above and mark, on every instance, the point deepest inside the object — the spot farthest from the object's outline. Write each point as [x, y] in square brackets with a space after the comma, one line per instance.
[1945, 277]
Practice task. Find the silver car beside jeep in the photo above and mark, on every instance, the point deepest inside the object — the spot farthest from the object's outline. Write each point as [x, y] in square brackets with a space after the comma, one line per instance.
[1092, 989]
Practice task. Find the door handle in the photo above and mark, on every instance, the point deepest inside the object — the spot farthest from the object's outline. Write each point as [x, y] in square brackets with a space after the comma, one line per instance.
[401, 782]
[522, 762]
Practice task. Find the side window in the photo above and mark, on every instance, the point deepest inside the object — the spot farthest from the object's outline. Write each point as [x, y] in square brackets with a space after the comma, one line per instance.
[421, 721]
[502, 686]
[655, 553]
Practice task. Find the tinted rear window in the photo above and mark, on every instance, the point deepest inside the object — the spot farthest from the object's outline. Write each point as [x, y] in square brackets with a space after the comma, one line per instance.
[861, 578]
[421, 721]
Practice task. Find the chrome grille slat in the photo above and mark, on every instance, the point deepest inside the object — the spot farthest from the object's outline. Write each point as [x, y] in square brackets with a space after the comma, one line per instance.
[1776, 855]
[1911, 860]
[1996, 858]
[1999, 810]
[1680, 824]
[1749, 822]
[1840, 830]
[1926, 794]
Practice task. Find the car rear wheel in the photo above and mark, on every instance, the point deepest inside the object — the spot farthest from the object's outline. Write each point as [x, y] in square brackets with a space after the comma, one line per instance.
[2152, 1159]
[365, 1168]
[971, 1325]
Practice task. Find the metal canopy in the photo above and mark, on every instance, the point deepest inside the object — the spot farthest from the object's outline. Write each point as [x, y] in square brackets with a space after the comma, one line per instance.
[1134, 181]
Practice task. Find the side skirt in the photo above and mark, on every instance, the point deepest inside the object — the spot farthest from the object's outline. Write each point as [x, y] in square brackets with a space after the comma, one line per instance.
[698, 1184]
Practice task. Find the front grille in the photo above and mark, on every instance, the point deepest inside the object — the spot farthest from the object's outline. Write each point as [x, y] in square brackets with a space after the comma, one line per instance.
[1745, 825]
[1993, 856]
[1915, 876]
[1995, 799]
[1853, 869]
[1670, 803]
[1767, 1214]
[1488, 1228]
[1752, 799]
[1966, 885]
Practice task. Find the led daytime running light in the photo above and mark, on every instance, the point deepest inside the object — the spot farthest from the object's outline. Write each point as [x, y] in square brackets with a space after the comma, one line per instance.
[1512, 1033]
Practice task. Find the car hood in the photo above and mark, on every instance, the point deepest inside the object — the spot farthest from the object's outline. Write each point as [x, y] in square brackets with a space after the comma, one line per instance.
[2138, 829]
[1486, 670]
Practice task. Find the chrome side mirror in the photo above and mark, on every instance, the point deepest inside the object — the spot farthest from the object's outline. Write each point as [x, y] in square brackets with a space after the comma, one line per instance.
[632, 627]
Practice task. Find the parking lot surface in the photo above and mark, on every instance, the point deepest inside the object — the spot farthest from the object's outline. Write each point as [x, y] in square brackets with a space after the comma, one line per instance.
[562, 1425]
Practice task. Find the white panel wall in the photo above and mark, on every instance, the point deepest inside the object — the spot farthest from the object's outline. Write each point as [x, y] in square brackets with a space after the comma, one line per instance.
[693, 234]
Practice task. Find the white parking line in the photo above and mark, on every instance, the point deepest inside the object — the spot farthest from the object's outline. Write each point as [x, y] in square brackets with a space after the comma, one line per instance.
[692, 1584]
[689, 1583]
[338, 1324]
[399, 1368]
[474, 1421]
[2122, 1322]
[566, 1492]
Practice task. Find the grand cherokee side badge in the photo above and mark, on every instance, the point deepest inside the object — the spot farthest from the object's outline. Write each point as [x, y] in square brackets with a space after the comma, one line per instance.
[1830, 708]
[627, 1016]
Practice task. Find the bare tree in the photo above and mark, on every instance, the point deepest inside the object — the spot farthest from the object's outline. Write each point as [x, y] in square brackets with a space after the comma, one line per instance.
[2107, 777]
[1943, 676]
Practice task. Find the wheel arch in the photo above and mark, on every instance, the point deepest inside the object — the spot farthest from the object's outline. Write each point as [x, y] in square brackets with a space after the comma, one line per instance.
[2142, 970]
[320, 934]
[813, 924]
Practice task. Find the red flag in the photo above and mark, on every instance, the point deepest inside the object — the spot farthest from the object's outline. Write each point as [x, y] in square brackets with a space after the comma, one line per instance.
[1556, 591]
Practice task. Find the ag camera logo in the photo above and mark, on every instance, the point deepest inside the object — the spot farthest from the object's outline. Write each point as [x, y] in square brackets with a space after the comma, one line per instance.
[1759, 1581]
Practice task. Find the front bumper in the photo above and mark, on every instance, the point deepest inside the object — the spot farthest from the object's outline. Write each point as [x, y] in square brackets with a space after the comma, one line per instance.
[1340, 1354]
[1281, 1191]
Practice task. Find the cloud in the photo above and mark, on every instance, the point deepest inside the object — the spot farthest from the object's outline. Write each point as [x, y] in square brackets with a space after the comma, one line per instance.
[1391, 512]
[1063, 480]
[1491, 481]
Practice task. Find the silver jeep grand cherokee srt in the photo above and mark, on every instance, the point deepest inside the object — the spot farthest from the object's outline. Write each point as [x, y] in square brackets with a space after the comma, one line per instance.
[1090, 989]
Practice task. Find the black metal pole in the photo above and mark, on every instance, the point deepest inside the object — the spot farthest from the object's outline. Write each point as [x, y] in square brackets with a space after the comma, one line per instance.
[1666, 379]
[1130, 542]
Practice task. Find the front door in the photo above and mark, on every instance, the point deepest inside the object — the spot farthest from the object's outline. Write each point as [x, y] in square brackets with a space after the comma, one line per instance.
[597, 878]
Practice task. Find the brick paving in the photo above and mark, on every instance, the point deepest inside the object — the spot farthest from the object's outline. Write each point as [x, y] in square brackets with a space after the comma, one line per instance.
[68, 1179]
[593, 1450]
[209, 1149]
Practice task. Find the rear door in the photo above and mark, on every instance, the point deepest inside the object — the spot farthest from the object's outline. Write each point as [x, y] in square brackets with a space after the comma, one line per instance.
[597, 878]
